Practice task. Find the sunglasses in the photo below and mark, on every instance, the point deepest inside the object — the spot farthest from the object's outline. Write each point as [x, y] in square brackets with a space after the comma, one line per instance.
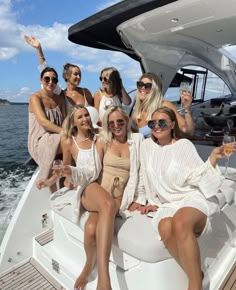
[146, 86]
[162, 123]
[103, 79]
[48, 79]
[118, 122]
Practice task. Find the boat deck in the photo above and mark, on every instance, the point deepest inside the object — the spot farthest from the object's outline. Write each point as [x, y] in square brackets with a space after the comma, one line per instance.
[28, 275]
[230, 281]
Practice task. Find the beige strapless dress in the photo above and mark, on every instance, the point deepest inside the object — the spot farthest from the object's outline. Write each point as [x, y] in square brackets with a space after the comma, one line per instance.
[115, 174]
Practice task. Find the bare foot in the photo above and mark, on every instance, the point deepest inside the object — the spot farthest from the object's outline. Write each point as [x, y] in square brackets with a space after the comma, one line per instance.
[83, 278]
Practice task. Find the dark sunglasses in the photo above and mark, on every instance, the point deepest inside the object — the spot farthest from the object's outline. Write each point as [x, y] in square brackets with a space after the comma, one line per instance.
[162, 123]
[103, 79]
[48, 79]
[118, 122]
[146, 86]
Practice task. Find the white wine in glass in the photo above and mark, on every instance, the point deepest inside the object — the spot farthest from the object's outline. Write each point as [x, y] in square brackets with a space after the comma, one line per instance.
[57, 166]
[228, 149]
[184, 88]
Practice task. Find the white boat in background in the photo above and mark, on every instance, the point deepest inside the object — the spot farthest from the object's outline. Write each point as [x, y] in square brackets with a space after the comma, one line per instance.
[43, 247]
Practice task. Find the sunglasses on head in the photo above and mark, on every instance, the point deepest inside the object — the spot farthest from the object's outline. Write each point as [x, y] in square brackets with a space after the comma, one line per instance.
[103, 79]
[162, 123]
[118, 122]
[48, 79]
[146, 86]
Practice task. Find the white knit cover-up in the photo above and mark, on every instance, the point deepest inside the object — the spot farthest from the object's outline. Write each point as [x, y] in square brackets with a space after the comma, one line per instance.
[175, 176]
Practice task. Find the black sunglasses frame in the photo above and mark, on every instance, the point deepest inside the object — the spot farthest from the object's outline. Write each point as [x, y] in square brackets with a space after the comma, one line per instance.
[106, 80]
[142, 84]
[48, 79]
[162, 123]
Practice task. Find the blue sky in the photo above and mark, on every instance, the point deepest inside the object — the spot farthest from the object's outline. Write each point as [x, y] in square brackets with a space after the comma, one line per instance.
[49, 22]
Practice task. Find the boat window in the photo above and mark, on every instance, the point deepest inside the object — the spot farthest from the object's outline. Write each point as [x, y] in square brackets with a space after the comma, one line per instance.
[205, 85]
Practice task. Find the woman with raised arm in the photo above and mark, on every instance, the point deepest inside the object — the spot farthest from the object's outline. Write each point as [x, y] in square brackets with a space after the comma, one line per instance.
[72, 76]
[112, 92]
[46, 114]
[149, 98]
[181, 190]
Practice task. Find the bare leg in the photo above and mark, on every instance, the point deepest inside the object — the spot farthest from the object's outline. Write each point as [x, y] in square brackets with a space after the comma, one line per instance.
[166, 232]
[184, 246]
[90, 250]
[95, 198]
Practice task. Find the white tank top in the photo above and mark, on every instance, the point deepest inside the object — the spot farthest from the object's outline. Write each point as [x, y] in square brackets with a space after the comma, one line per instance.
[105, 102]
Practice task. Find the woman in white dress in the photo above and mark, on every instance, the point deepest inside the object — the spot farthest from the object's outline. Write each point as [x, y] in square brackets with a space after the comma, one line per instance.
[180, 189]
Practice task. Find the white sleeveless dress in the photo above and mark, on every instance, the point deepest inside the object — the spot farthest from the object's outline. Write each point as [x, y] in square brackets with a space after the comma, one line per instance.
[88, 167]
[105, 102]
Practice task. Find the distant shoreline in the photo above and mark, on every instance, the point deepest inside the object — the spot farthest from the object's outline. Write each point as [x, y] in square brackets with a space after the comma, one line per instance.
[4, 102]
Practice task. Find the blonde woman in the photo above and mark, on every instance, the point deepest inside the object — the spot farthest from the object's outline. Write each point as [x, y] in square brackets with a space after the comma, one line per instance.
[149, 98]
[112, 92]
[120, 177]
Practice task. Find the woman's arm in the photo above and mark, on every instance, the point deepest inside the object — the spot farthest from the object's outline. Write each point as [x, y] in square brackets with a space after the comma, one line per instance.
[186, 124]
[36, 107]
[125, 98]
[97, 99]
[37, 45]
[89, 97]
[34, 42]
[218, 153]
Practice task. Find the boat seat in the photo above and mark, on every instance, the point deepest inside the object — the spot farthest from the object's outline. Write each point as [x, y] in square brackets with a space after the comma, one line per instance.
[134, 236]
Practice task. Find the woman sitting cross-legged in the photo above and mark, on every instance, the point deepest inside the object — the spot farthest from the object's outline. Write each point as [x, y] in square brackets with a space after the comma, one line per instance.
[181, 190]
[119, 151]
[119, 178]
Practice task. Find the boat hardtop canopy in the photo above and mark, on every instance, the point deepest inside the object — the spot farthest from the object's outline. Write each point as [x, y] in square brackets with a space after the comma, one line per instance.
[165, 36]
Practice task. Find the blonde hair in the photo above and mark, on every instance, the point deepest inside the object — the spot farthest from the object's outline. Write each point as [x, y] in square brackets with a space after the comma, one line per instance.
[67, 70]
[154, 99]
[105, 135]
[114, 85]
[68, 127]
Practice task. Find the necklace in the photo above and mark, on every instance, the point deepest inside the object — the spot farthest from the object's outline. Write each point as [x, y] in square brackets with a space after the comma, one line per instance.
[83, 140]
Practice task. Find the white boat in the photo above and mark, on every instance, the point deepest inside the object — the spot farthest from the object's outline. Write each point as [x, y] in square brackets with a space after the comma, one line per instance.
[43, 248]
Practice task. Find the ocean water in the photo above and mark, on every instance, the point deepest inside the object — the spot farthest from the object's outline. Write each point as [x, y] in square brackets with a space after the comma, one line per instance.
[14, 174]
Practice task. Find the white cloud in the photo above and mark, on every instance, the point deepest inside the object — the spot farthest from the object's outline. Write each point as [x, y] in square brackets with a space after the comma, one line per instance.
[16, 96]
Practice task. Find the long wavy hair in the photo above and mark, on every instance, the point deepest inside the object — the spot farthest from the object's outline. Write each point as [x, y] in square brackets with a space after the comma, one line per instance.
[175, 132]
[106, 135]
[68, 126]
[154, 99]
[115, 84]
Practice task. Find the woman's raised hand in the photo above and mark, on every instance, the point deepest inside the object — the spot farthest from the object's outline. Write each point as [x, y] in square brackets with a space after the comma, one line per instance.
[32, 41]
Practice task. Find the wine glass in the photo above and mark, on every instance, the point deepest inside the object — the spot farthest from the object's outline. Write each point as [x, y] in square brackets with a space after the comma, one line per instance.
[57, 166]
[230, 124]
[184, 88]
[228, 149]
